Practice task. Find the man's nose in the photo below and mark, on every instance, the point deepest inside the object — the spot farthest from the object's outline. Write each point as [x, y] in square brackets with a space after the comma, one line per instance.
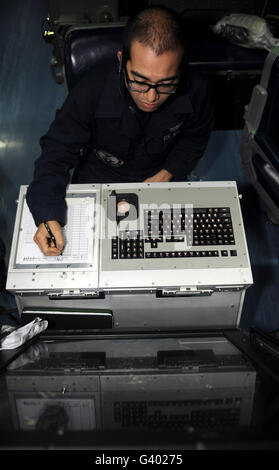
[152, 95]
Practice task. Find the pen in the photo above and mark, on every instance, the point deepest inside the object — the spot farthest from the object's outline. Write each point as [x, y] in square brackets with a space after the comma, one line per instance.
[51, 236]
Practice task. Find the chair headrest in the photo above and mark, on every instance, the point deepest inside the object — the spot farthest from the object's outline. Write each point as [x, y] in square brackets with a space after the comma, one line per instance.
[87, 46]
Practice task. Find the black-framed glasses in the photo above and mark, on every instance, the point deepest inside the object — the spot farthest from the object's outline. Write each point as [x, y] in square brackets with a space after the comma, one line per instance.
[143, 87]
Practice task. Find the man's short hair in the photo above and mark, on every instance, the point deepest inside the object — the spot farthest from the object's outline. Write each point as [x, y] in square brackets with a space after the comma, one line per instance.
[158, 27]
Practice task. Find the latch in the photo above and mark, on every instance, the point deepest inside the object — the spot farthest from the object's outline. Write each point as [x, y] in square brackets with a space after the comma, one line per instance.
[184, 292]
[72, 294]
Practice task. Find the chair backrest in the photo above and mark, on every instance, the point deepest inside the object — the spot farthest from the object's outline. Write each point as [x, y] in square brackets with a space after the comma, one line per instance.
[85, 46]
[259, 148]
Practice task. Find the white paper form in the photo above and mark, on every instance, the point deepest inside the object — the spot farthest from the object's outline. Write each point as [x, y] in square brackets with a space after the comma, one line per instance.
[78, 235]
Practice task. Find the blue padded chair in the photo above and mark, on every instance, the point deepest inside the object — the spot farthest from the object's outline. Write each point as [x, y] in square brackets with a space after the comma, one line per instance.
[85, 46]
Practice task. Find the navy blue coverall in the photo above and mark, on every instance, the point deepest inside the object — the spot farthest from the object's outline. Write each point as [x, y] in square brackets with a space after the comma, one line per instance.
[100, 115]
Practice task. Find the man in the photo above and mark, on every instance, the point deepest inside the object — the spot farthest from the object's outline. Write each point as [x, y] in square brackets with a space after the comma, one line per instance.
[147, 119]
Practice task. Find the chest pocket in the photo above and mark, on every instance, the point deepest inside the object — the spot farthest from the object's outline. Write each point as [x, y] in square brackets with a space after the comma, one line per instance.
[172, 133]
[108, 135]
[159, 146]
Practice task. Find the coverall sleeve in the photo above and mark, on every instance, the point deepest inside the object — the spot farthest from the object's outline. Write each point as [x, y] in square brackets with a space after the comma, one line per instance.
[61, 146]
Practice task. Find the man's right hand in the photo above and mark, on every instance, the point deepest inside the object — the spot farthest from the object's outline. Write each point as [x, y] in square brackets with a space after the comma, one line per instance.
[42, 239]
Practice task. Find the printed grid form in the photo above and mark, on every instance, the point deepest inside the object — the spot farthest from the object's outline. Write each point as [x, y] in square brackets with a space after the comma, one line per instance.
[77, 235]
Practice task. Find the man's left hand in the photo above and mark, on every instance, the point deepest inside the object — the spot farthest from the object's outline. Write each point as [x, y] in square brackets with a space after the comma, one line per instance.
[163, 176]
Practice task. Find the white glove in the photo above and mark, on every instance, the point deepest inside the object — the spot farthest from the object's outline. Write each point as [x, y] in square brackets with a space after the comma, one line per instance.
[19, 336]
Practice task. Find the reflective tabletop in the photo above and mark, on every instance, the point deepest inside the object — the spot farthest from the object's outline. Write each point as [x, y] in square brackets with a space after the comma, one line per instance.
[213, 389]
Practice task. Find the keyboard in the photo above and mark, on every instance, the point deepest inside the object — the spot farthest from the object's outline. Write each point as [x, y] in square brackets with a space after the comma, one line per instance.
[198, 227]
